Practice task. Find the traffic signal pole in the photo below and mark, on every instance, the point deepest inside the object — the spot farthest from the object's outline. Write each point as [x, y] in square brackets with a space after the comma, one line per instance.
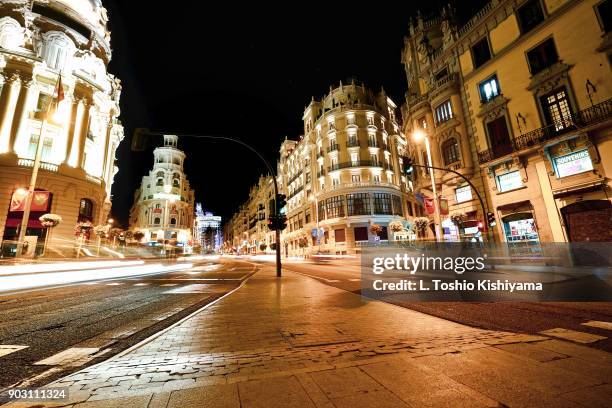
[138, 144]
[485, 209]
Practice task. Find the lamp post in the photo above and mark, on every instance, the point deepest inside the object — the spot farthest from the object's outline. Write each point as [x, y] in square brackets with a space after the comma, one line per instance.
[316, 201]
[418, 135]
[56, 115]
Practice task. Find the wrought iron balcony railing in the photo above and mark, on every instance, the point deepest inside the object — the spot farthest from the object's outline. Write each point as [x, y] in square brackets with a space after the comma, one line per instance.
[578, 120]
[352, 143]
[333, 148]
[357, 163]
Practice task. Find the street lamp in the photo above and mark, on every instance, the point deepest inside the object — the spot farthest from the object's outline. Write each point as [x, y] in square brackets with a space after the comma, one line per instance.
[419, 135]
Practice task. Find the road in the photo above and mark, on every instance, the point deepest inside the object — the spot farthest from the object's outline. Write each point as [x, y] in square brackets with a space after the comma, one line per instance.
[524, 317]
[47, 333]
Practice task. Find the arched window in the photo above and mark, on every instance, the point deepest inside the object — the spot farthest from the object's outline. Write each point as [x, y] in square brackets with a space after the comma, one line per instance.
[176, 183]
[85, 210]
[11, 33]
[450, 151]
[160, 181]
[58, 50]
[156, 221]
[172, 221]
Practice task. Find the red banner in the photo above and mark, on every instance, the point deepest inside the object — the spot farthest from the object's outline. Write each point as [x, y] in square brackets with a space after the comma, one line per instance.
[40, 200]
[443, 206]
[429, 205]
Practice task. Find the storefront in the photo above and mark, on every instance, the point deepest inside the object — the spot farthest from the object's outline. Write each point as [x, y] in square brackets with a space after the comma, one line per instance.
[520, 227]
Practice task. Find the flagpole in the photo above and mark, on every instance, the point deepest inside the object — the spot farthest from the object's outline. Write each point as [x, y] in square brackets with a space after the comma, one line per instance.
[36, 166]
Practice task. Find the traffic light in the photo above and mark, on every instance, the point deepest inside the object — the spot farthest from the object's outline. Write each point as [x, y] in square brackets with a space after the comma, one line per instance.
[277, 222]
[281, 202]
[491, 219]
[407, 163]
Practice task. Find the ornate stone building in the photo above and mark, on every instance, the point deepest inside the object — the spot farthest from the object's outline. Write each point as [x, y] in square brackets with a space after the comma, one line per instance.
[164, 204]
[341, 177]
[519, 99]
[39, 40]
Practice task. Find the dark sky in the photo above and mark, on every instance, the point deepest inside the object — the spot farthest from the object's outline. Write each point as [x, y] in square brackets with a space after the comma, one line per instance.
[243, 71]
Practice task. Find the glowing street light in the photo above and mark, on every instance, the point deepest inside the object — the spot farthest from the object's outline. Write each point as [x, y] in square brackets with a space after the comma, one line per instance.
[418, 135]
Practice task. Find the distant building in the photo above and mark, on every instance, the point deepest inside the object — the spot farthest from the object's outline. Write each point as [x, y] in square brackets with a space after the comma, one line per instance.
[164, 204]
[206, 230]
[38, 41]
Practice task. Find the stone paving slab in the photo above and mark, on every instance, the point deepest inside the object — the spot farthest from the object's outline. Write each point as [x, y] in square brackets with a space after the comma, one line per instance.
[573, 335]
[299, 343]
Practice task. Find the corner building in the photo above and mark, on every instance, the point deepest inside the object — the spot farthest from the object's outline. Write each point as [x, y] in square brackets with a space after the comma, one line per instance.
[532, 103]
[344, 174]
[38, 41]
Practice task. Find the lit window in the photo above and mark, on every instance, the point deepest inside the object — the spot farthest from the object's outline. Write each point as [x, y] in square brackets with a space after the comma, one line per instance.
[509, 181]
[557, 109]
[356, 178]
[450, 151]
[463, 194]
[444, 112]
[489, 89]
[573, 163]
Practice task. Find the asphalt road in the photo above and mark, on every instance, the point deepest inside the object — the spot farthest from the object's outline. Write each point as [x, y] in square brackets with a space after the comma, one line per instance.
[101, 318]
[524, 317]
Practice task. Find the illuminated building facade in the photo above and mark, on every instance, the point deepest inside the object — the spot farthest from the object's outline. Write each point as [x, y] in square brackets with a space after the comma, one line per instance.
[38, 41]
[519, 102]
[163, 208]
[207, 230]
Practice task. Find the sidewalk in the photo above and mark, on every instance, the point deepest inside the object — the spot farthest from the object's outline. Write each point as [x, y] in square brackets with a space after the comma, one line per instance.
[299, 343]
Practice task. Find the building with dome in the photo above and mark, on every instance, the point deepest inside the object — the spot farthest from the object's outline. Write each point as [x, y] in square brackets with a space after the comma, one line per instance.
[39, 41]
[163, 207]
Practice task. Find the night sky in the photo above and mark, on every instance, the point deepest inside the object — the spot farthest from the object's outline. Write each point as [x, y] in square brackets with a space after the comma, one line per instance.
[243, 71]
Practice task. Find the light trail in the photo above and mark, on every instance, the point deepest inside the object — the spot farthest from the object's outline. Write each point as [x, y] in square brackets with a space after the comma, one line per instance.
[63, 266]
[22, 282]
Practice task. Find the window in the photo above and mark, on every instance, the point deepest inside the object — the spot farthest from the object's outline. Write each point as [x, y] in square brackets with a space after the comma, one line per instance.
[340, 235]
[157, 221]
[489, 89]
[397, 205]
[175, 183]
[335, 207]
[43, 102]
[376, 178]
[356, 178]
[441, 74]
[481, 52]
[557, 109]
[530, 15]
[354, 159]
[57, 49]
[604, 13]
[11, 33]
[463, 194]
[444, 112]
[422, 122]
[358, 204]
[374, 159]
[361, 233]
[509, 181]
[542, 56]
[321, 210]
[160, 182]
[382, 203]
[172, 221]
[499, 136]
[47, 148]
[450, 151]
[85, 210]
[573, 163]
[335, 181]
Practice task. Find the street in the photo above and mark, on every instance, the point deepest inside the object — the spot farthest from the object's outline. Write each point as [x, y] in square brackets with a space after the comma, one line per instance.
[98, 319]
[523, 317]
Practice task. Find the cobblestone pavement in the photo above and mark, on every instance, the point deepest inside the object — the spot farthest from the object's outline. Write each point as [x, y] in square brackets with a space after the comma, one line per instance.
[299, 343]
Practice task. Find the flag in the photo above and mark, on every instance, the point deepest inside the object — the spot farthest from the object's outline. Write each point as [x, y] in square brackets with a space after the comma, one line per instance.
[18, 200]
[40, 201]
[429, 205]
[443, 206]
[60, 90]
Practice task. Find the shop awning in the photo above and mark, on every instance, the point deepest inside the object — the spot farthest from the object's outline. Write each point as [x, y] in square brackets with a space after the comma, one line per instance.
[14, 222]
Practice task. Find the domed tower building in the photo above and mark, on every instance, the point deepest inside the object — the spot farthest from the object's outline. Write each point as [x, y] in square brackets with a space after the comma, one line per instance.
[39, 42]
[344, 175]
[164, 204]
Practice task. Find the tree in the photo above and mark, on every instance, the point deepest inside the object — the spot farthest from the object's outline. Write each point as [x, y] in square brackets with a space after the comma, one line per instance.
[138, 235]
[396, 226]
[421, 223]
[263, 246]
[375, 229]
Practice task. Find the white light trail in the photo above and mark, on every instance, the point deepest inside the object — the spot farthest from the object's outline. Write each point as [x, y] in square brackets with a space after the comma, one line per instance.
[21, 282]
[63, 266]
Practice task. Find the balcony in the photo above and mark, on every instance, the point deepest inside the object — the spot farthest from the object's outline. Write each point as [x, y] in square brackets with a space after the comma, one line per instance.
[332, 148]
[372, 143]
[296, 192]
[352, 143]
[292, 179]
[358, 163]
[320, 173]
[579, 121]
[43, 165]
[320, 153]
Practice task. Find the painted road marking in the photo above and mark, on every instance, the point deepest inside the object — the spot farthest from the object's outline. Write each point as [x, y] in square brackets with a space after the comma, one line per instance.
[71, 356]
[9, 348]
[573, 335]
[169, 284]
[195, 288]
[141, 284]
[598, 324]
[114, 284]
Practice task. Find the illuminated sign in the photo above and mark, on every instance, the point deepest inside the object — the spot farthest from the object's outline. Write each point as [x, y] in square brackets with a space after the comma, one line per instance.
[463, 194]
[509, 181]
[574, 163]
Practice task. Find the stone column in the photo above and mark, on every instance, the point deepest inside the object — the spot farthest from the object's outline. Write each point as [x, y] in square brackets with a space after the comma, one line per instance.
[70, 129]
[75, 139]
[83, 138]
[20, 120]
[8, 101]
[107, 148]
